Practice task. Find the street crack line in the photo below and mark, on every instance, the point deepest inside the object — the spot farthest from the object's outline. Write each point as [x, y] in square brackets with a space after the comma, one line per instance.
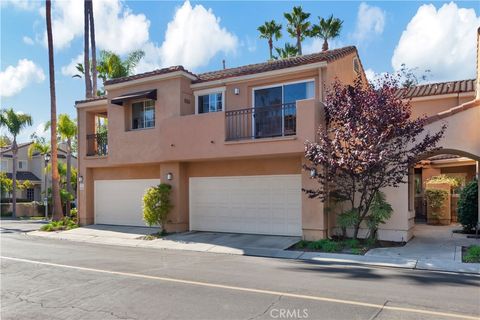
[380, 310]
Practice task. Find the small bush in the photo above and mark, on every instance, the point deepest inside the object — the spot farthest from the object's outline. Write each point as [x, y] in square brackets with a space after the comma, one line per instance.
[302, 244]
[64, 224]
[472, 255]
[436, 200]
[468, 206]
[326, 245]
[157, 205]
[351, 243]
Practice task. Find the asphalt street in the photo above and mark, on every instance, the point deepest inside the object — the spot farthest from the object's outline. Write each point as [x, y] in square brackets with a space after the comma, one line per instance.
[54, 279]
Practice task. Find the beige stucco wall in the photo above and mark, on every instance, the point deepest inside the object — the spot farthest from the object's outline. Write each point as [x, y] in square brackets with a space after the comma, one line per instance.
[432, 105]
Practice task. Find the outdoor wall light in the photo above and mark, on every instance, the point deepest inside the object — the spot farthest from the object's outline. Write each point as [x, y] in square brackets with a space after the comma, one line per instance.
[80, 179]
[169, 176]
[47, 157]
[236, 91]
[313, 173]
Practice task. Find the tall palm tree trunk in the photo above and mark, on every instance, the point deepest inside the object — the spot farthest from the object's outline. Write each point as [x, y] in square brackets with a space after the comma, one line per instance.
[57, 204]
[94, 49]
[86, 50]
[325, 45]
[299, 43]
[69, 173]
[14, 177]
[270, 46]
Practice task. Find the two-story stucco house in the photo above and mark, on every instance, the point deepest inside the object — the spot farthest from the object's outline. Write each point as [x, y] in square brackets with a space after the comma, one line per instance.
[31, 169]
[231, 145]
[230, 142]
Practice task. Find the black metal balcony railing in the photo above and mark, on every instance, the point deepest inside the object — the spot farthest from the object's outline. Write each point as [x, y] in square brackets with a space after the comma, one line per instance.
[97, 144]
[261, 122]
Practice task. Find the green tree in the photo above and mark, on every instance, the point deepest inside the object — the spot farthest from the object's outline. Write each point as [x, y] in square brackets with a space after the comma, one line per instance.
[67, 130]
[327, 29]
[112, 66]
[5, 141]
[287, 51]
[157, 205]
[14, 122]
[468, 206]
[6, 184]
[298, 25]
[270, 30]
[57, 203]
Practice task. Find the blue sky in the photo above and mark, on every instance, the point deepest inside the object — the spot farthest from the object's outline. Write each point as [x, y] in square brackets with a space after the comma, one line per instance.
[439, 36]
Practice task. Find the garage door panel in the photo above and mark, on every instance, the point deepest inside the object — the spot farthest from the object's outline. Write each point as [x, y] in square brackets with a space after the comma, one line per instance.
[119, 202]
[253, 204]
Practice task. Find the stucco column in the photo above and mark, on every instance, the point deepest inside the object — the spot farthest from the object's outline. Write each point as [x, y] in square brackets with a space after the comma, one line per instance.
[85, 196]
[178, 217]
[314, 218]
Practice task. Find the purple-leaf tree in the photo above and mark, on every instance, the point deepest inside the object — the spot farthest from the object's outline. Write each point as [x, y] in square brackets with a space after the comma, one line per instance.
[369, 141]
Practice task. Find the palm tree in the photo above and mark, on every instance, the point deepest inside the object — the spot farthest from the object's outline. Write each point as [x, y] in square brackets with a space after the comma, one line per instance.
[15, 122]
[270, 30]
[298, 25]
[112, 66]
[57, 204]
[94, 50]
[327, 29]
[287, 52]
[67, 129]
[86, 50]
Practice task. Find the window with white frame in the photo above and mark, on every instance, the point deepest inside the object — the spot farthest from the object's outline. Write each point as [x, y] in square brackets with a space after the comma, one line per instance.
[143, 114]
[4, 165]
[211, 102]
[22, 165]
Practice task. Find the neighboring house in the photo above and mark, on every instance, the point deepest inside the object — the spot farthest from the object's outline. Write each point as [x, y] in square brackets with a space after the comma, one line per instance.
[31, 169]
[229, 142]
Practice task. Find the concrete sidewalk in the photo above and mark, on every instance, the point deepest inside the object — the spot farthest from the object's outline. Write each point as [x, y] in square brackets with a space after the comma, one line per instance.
[263, 246]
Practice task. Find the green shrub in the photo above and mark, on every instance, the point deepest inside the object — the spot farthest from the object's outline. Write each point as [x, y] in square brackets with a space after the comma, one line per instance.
[331, 246]
[380, 212]
[302, 244]
[436, 200]
[157, 205]
[64, 224]
[468, 206]
[472, 255]
[346, 220]
[351, 243]
[454, 182]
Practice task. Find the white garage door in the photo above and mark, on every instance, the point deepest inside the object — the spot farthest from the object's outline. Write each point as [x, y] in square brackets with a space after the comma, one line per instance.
[247, 204]
[120, 201]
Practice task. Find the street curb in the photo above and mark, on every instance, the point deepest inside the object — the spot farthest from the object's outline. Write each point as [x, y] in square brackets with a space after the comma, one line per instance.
[315, 257]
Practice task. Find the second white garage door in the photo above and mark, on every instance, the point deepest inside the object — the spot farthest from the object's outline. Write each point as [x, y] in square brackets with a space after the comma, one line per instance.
[119, 202]
[247, 204]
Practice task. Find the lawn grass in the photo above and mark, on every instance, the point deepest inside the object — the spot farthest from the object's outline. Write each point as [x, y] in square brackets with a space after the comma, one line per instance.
[64, 224]
[471, 254]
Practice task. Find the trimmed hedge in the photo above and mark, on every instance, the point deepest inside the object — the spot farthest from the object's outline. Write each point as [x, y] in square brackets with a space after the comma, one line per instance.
[468, 206]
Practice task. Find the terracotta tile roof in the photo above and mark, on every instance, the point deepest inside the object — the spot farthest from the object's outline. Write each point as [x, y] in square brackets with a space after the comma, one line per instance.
[326, 56]
[24, 175]
[149, 74]
[433, 89]
[91, 99]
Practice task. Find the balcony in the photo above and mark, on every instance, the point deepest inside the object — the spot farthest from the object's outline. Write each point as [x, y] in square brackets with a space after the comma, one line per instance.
[261, 122]
[97, 144]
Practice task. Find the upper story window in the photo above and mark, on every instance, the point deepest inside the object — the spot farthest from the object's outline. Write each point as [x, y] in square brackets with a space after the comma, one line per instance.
[210, 100]
[22, 165]
[143, 114]
[4, 165]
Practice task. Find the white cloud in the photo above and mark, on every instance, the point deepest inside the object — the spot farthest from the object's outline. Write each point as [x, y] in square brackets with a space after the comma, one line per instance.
[70, 69]
[443, 41]
[195, 36]
[370, 22]
[15, 78]
[28, 40]
[40, 131]
[371, 75]
[21, 4]
[117, 28]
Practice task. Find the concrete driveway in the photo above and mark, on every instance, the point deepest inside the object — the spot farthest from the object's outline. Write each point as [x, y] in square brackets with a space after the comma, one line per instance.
[233, 243]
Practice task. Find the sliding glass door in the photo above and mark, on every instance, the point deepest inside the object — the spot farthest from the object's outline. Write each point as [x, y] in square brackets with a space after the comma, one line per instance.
[275, 108]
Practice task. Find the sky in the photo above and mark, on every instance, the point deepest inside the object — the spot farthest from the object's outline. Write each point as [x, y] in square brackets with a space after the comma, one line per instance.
[438, 36]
